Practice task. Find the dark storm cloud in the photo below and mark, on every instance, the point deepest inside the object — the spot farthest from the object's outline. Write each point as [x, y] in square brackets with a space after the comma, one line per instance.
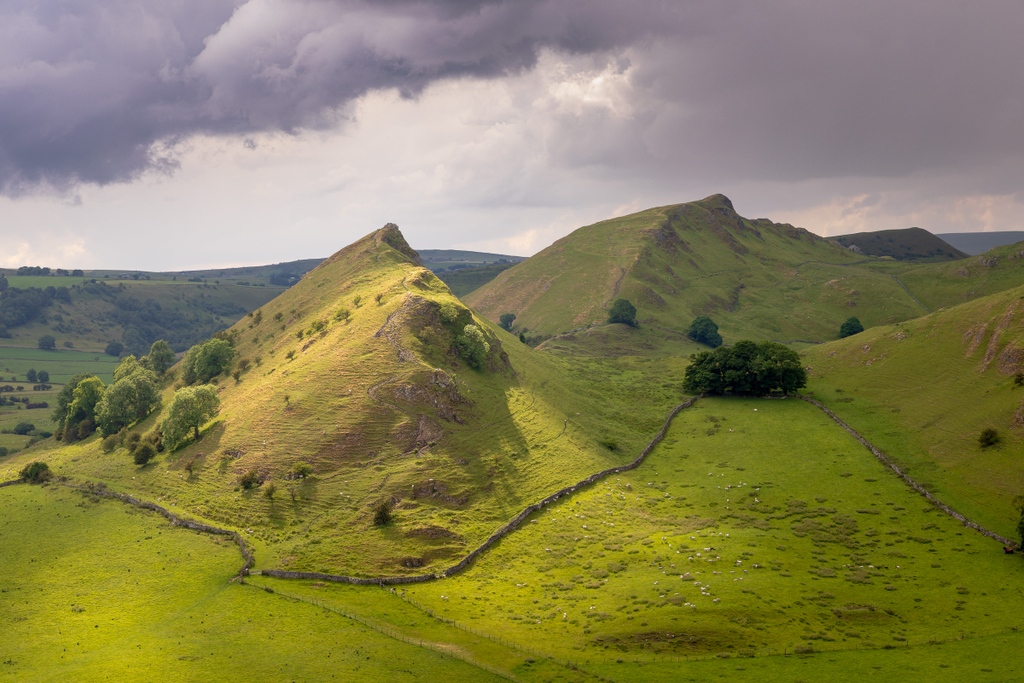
[95, 91]
[100, 91]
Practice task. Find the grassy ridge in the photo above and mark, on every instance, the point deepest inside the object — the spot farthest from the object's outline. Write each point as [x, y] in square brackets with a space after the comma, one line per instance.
[757, 279]
[908, 244]
[383, 410]
[924, 390]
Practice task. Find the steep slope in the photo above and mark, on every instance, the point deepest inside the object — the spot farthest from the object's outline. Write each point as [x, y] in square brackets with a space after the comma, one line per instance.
[357, 371]
[908, 244]
[925, 389]
[755, 278]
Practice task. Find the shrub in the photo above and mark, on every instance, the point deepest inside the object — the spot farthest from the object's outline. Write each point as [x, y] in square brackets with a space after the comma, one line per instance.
[342, 314]
[250, 480]
[132, 441]
[24, 428]
[301, 470]
[111, 442]
[379, 298]
[35, 472]
[3, 451]
[382, 515]
[47, 342]
[849, 328]
[144, 452]
[269, 490]
[622, 311]
[988, 437]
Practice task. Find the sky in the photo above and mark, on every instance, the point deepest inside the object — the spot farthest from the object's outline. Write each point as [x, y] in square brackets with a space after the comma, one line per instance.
[176, 134]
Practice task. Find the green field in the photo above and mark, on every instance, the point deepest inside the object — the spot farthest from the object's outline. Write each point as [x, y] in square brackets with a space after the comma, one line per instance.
[62, 364]
[162, 608]
[759, 527]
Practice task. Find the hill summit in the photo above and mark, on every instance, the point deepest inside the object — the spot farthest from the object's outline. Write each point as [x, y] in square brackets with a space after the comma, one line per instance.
[756, 278]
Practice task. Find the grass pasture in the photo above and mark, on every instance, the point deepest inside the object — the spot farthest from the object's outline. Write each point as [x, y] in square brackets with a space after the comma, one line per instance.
[161, 607]
[62, 364]
[757, 528]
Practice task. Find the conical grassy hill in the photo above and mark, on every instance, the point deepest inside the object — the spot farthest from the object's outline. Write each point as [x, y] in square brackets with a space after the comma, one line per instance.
[356, 370]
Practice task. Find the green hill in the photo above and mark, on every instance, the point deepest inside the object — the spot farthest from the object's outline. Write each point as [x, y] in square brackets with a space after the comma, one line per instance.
[975, 243]
[385, 408]
[925, 389]
[908, 244]
[755, 278]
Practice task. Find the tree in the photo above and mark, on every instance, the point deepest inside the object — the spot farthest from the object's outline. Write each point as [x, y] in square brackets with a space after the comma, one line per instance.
[47, 342]
[23, 428]
[505, 321]
[205, 361]
[849, 328]
[703, 330]
[31, 375]
[143, 453]
[81, 410]
[160, 357]
[622, 311]
[382, 515]
[191, 408]
[473, 346]
[134, 394]
[43, 377]
[745, 369]
[114, 349]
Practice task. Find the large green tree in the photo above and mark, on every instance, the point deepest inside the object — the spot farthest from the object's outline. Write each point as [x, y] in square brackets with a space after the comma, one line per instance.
[622, 311]
[703, 330]
[205, 361]
[160, 357]
[134, 394]
[473, 347]
[191, 408]
[746, 369]
[849, 328]
[80, 416]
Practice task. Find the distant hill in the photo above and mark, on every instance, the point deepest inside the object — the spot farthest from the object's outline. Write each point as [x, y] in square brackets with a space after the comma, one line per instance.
[439, 260]
[975, 243]
[755, 278]
[908, 244]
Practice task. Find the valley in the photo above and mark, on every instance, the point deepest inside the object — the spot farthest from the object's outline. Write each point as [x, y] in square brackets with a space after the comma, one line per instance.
[757, 539]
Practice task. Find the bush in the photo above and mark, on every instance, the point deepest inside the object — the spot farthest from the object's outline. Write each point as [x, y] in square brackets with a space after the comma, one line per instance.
[144, 452]
[35, 472]
[250, 480]
[301, 470]
[3, 451]
[988, 437]
[47, 342]
[622, 311]
[269, 490]
[24, 428]
[703, 330]
[849, 328]
[111, 442]
[382, 515]
[132, 441]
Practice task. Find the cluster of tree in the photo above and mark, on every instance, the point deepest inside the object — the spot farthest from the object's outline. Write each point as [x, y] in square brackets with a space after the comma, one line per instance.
[284, 279]
[506, 320]
[37, 377]
[205, 361]
[33, 270]
[85, 404]
[747, 369]
[703, 330]
[47, 342]
[622, 311]
[20, 306]
[849, 328]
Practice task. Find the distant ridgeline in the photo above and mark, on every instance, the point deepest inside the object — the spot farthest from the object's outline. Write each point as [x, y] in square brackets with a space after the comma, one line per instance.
[908, 244]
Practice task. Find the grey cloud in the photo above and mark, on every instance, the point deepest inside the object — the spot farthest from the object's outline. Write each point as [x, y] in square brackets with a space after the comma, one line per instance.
[99, 92]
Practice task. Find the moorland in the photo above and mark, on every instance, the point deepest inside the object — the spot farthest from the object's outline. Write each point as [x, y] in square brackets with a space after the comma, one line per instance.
[489, 478]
